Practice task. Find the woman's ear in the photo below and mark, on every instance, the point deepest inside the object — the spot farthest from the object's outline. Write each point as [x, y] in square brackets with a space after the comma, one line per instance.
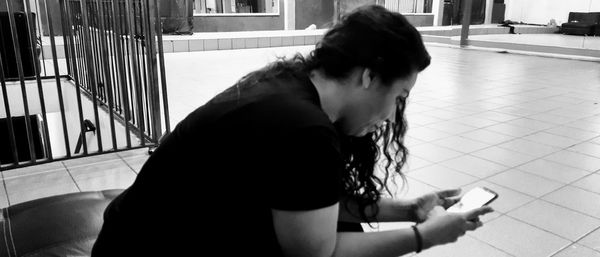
[367, 78]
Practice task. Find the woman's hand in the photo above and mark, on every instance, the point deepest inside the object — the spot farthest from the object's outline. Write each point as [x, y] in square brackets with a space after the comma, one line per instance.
[444, 227]
[426, 203]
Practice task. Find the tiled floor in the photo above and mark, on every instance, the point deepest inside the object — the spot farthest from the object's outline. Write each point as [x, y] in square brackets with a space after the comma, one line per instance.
[527, 127]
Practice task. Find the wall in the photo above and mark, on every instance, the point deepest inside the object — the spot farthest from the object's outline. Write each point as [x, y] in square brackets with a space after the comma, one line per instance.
[540, 12]
[238, 23]
[315, 12]
[420, 19]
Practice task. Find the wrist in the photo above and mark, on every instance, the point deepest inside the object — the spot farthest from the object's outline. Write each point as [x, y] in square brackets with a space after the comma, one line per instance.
[418, 239]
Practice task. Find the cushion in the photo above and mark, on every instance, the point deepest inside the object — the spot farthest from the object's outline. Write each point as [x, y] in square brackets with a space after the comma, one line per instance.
[62, 225]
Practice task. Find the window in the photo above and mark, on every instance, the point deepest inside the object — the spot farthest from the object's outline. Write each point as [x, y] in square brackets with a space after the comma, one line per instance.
[235, 6]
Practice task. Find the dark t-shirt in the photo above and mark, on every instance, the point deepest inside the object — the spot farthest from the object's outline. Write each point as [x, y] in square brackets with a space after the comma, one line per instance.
[212, 183]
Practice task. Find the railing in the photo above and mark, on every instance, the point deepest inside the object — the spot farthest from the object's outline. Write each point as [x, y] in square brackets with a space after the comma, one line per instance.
[111, 81]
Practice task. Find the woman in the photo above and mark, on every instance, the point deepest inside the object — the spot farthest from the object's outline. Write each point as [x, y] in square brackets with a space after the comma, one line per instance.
[281, 163]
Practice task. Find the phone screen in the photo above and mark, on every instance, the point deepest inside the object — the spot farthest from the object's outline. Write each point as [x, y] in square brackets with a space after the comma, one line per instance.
[475, 198]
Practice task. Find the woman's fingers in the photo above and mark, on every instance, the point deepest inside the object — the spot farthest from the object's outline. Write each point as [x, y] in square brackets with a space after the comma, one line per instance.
[449, 193]
[475, 213]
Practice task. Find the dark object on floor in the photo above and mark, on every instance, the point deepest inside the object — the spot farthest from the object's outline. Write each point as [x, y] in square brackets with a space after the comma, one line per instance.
[22, 143]
[62, 225]
[582, 23]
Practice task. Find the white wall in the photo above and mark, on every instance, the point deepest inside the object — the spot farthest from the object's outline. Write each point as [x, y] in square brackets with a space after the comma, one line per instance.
[540, 12]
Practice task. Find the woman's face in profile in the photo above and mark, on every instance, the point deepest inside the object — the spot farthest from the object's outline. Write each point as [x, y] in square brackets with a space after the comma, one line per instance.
[377, 104]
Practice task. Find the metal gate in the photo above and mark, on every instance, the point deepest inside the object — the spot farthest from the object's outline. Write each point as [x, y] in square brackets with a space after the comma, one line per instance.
[100, 87]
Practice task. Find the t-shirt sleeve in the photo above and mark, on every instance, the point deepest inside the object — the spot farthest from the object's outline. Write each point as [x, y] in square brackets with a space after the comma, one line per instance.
[305, 171]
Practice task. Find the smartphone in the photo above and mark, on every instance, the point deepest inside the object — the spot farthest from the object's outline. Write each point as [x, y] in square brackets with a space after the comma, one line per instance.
[475, 198]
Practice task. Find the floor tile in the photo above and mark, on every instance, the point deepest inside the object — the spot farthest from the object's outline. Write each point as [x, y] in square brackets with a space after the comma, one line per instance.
[516, 111]
[551, 118]
[99, 169]
[433, 153]
[21, 189]
[525, 182]
[552, 140]
[591, 240]
[427, 134]
[529, 148]
[503, 156]
[584, 125]
[461, 144]
[496, 116]
[466, 246]
[590, 183]
[90, 160]
[531, 124]
[421, 120]
[413, 163]
[508, 199]
[136, 162]
[31, 170]
[576, 199]
[519, 239]
[475, 122]
[576, 160]
[573, 133]
[134, 152]
[451, 127]
[587, 148]
[3, 197]
[114, 179]
[487, 136]
[556, 219]
[577, 250]
[414, 188]
[553, 170]
[442, 177]
[511, 130]
[474, 166]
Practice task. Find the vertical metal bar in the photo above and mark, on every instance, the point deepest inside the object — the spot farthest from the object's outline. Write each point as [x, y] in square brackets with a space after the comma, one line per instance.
[152, 71]
[65, 40]
[130, 79]
[140, 49]
[466, 22]
[135, 62]
[145, 72]
[139, 88]
[15, 41]
[96, 61]
[108, 86]
[41, 42]
[11, 132]
[121, 67]
[65, 5]
[113, 56]
[161, 56]
[128, 53]
[36, 68]
[92, 75]
[58, 83]
[65, 44]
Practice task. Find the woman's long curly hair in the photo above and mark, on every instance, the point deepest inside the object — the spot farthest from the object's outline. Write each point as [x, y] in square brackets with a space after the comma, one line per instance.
[386, 43]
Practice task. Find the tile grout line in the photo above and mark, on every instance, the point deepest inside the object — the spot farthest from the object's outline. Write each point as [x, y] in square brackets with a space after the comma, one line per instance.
[129, 166]
[5, 188]
[71, 175]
